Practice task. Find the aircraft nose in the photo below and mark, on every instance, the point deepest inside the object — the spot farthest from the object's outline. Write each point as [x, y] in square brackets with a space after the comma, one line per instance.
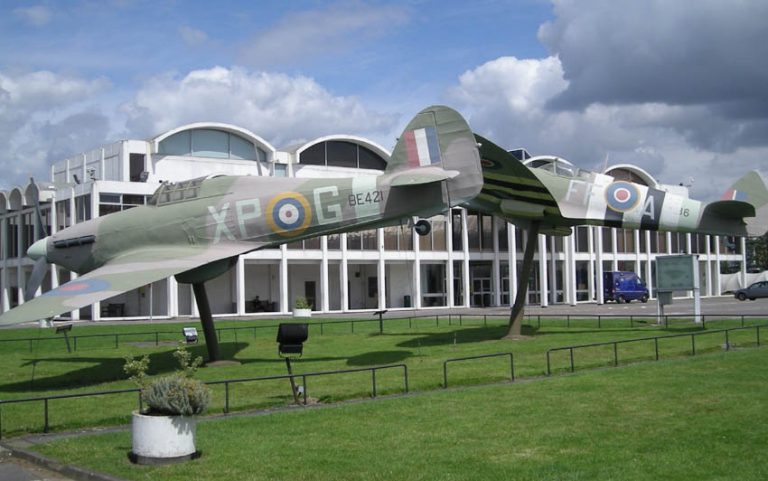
[38, 250]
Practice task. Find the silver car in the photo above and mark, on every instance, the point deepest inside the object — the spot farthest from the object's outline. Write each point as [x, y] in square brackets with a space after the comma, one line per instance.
[758, 289]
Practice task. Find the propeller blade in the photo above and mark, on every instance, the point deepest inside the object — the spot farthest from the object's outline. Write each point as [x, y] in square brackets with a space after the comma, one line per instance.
[41, 227]
[38, 274]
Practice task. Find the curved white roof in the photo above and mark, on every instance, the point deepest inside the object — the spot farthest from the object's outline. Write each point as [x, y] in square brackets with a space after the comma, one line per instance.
[234, 129]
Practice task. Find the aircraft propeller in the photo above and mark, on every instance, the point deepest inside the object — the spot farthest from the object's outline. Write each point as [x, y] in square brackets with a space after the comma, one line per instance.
[37, 253]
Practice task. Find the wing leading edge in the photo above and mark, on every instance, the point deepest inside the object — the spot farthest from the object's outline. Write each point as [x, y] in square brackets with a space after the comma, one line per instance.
[129, 271]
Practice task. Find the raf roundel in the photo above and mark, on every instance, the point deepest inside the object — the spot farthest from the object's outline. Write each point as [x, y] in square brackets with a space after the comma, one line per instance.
[622, 196]
[289, 214]
[79, 286]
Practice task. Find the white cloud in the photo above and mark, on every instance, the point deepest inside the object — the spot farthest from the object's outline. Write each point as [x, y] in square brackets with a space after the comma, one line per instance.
[37, 15]
[281, 108]
[307, 34]
[192, 36]
[45, 117]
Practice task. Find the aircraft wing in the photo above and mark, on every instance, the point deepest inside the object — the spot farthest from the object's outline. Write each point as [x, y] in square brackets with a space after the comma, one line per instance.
[129, 271]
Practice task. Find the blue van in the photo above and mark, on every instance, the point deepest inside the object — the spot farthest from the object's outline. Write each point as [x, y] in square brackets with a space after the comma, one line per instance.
[622, 286]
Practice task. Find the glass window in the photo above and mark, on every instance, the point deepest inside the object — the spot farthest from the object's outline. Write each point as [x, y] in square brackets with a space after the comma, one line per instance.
[341, 154]
[334, 241]
[239, 148]
[369, 159]
[177, 144]
[314, 155]
[210, 143]
[369, 239]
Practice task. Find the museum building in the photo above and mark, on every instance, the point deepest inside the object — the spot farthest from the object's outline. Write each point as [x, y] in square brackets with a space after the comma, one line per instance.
[463, 262]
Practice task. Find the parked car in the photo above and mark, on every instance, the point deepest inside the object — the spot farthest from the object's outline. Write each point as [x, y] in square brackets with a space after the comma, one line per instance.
[622, 286]
[758, 289]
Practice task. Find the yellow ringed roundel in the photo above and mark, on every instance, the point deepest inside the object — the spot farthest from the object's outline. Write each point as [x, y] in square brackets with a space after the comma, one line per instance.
[289, 214]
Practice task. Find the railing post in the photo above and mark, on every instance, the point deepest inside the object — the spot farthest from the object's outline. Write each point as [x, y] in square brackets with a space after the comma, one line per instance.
[373, 380]
[549, 369]
[656, 343]
[512, 366]
[572, 366]
[45, 415]
[304, 383]
[758, 335]
[405, 374]
[615, 353]
[693, 344]
[445, 374]
[226, 397]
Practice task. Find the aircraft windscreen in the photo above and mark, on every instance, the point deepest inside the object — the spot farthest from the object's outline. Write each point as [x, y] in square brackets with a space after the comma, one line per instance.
[169, 193]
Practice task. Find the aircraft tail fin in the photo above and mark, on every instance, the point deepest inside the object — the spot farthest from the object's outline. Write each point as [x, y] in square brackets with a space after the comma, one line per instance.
[438, 146]
[751, 189]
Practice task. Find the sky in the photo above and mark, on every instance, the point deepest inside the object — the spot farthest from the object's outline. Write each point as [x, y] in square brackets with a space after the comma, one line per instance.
[679, 88]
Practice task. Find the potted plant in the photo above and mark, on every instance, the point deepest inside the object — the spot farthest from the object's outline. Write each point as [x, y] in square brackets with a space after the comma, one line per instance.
[164, 430]
[302, 308]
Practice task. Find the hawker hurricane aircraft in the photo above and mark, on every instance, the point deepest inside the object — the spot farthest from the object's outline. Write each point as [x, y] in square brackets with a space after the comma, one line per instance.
[555, 196]
[196, 229]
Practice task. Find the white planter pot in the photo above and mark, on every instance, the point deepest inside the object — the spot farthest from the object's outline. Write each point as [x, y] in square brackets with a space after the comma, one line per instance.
[162, 439]
[302, 313]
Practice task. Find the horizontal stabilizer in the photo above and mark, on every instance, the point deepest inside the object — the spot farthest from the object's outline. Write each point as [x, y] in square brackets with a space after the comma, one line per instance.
[730, 208]
[751, 189]
[424, 175]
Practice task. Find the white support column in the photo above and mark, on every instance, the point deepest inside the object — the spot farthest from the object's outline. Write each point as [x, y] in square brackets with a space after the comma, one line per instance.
[638, 269]
[20, 269]
[344, 274]
[325, 304]
[172, 301]
[552, 279]
[449, 273]
[708, 271]
[599, 261]
[76, 313]
[382, 271]
[285, 306]
[570, 262]
[743, 261]
[495, 264]
[718, 280]
[591, 264]
[648, 277]
[543, 282]
[416, 276]
[465, 249]
[239, 286]
[688, 243]
[614, 249]
[669, 243]
[512, 255]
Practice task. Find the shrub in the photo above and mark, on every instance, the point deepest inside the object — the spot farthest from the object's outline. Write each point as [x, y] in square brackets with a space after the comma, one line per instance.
[301, 303]
[174, 395]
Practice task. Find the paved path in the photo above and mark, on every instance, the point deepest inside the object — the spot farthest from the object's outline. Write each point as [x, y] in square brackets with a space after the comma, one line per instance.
[15, 469]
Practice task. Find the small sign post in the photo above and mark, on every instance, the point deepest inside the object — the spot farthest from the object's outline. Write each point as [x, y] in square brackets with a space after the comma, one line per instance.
[678, 273]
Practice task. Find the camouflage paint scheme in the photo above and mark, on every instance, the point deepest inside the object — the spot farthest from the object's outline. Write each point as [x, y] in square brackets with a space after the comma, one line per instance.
[571, 196]
[197, 228]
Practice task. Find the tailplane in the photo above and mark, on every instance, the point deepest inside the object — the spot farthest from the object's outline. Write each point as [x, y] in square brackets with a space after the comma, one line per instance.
[438, 146]
[752, 190]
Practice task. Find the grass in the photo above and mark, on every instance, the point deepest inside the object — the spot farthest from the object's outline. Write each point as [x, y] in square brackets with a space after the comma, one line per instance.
[695, 418]
[32, 368]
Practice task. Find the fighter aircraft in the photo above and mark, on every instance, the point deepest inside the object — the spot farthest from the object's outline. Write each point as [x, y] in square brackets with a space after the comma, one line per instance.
[553, 197]
[196, 229]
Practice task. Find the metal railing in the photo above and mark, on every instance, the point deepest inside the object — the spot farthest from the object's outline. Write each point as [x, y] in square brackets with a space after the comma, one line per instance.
[655, 340]
[482, 356]
[534, 320]
[226, 382]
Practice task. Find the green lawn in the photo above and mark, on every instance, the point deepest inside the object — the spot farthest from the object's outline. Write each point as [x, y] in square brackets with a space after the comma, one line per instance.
[689, 418]
[41, 368]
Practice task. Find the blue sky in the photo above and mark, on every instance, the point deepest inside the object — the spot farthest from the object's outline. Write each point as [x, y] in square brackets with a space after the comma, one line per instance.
[679, 88]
